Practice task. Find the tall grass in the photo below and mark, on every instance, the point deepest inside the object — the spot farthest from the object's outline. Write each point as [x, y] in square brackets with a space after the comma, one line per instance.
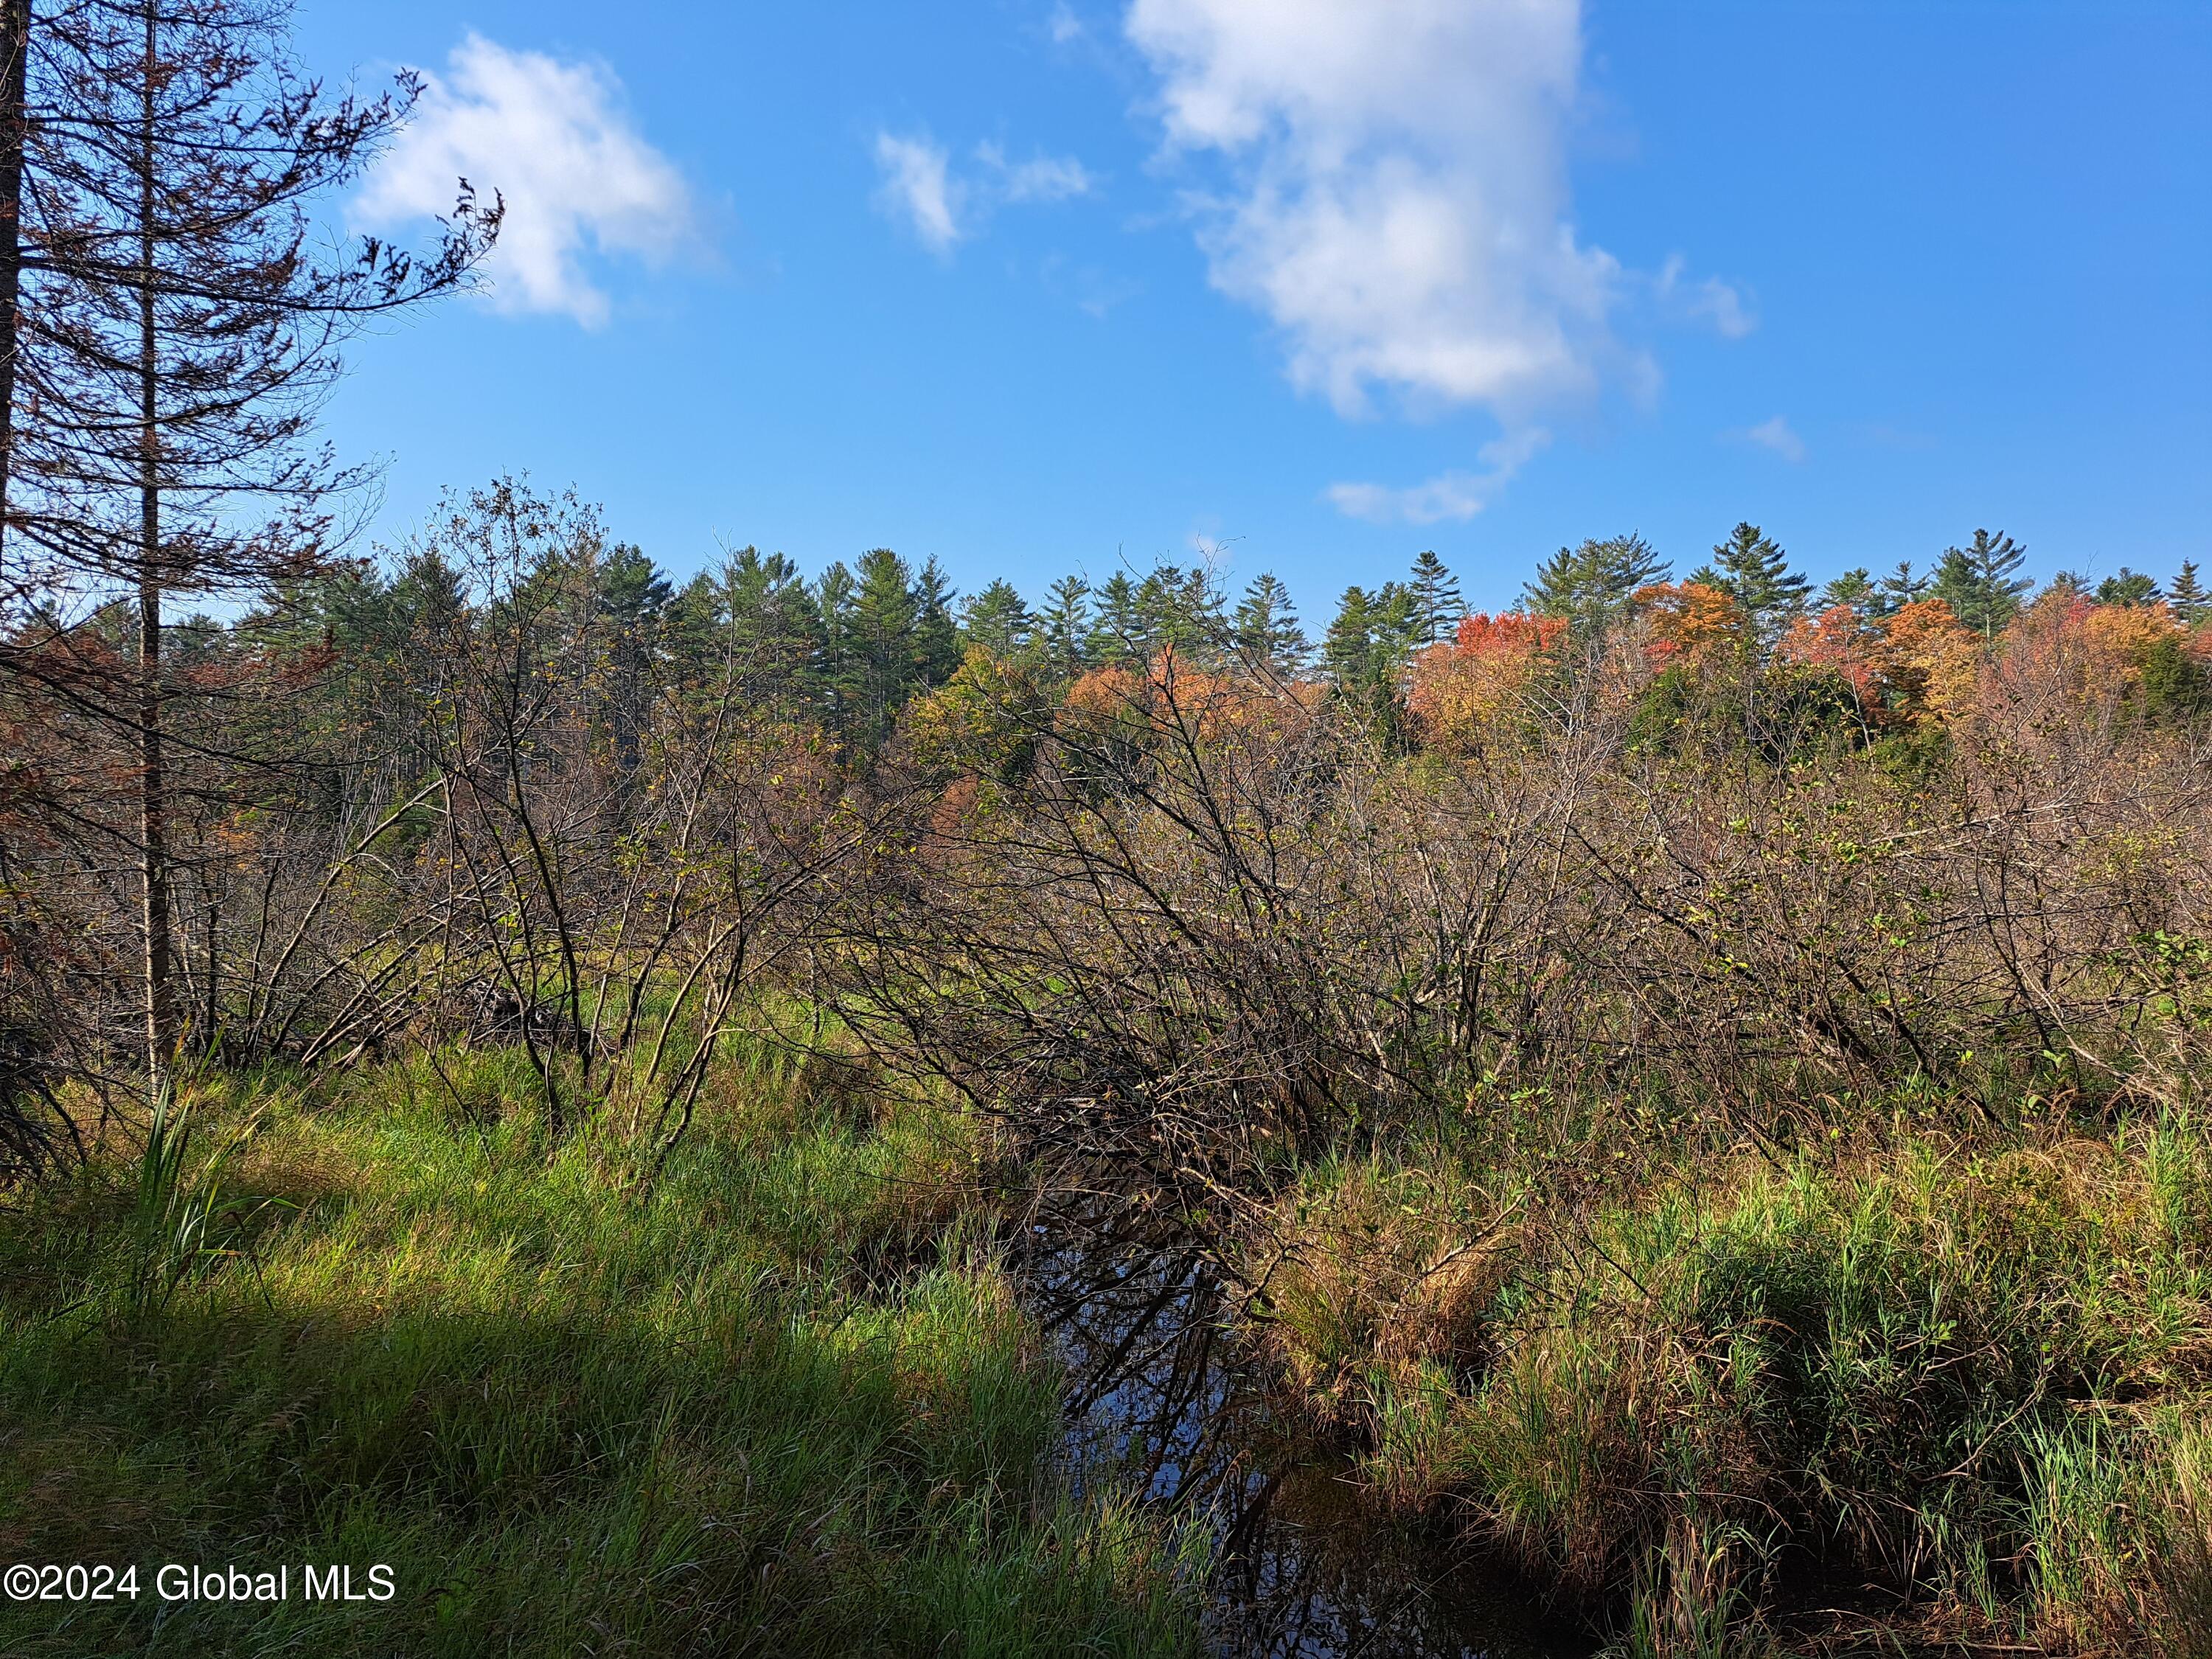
[778, 1400]
[1975, 1385]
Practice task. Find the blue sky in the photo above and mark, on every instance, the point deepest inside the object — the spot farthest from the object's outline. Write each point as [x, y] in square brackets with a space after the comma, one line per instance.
[1323, 283]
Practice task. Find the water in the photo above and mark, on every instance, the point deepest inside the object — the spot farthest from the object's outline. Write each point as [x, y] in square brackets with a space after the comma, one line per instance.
[1300, 1568]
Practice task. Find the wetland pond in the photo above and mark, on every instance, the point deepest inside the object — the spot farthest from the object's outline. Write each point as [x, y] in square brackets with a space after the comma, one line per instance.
[1298, 1567]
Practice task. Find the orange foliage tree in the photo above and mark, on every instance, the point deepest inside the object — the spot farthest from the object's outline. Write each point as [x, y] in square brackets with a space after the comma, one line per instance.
[2090, 652]
[1691, 624]
[1838, 640]
[1929, 660]
[1458, 684]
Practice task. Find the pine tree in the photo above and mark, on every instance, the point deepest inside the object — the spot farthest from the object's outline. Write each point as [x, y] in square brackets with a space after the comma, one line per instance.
[1118, 633]
[1373, 634]
[1064, 626]
[172, 317]
[2187, 598]
[835, 596]
[1347, 647]
[1000, 621]
[1854, 589]
[1267, 630]
[1591, 586]
[1896, 590]
[631, 596]
[1157, 596]
[1437, 601]
[880, 667]
[1981, 583]
[936, 635]
[1396, 615]
[1181, 609]
[1752, 569]
[775, 625]
[2128, 588]
[1366, 649]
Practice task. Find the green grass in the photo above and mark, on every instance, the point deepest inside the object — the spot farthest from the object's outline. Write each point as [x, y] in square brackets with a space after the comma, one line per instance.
[782, 1402]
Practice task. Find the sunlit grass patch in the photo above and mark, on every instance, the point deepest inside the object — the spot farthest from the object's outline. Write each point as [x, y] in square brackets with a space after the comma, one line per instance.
[573, 1409]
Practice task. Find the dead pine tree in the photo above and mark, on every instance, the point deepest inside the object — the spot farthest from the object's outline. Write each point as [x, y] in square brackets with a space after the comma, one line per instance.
[177, 326]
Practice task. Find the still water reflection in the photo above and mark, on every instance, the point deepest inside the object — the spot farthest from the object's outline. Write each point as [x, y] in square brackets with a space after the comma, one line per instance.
[1298, 1568]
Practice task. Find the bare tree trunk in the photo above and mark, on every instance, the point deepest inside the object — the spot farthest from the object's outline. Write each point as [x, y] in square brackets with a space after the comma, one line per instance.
[153, 796]
[14, 57]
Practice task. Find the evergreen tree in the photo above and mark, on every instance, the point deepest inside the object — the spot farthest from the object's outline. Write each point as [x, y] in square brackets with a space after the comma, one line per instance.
[1348, 647]
[1267, 630]
[631, 596]
[1118, 633]
[937, 636]
[1981, 583]
[1437, 601]
[1064, 626]
[1000, 621]
[690, 630]
[2128, 587]
[1395, 611]
[835, 596]
[1157, 596]
[628, 588]
[1366, 649]
[1854, 588]
[1896, 590]
[1752, 569]
[880, 666]
[1591, 586]
[775, 625]
[2187, 598]
[428, 598]
[1183, 609]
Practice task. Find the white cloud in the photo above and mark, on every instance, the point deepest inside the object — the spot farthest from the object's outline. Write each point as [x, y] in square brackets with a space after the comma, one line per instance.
[918, 186]
[552, 139]
[1454, 495]
[945, 207]
[1064, 25]
[1711, 300]
[1394, 196]
[1715, 298]
[1774, 433]
[1041, 179]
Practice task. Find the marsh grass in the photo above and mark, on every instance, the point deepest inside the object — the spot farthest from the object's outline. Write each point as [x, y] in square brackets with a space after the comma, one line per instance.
[777, 1399]
[1966, 1387]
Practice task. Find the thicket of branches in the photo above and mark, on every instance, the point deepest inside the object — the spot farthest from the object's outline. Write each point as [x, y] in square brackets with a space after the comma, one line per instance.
[1174, 908]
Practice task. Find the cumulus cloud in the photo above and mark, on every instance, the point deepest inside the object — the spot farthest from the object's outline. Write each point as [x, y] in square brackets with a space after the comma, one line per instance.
[1392, 192]
[945, 207]
[1454, 495]
[1775, 433]
[552, 138]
